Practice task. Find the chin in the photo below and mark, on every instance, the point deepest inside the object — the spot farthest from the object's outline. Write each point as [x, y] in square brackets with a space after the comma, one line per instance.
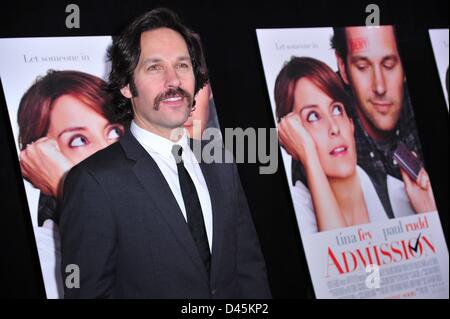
[386, 126]
[341, 170]
[386, 123]
[179, 119]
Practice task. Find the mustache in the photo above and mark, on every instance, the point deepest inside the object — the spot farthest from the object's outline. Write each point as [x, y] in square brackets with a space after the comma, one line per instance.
[172, 92]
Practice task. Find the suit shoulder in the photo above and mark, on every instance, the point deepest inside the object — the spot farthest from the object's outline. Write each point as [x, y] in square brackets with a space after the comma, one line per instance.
[107, 159]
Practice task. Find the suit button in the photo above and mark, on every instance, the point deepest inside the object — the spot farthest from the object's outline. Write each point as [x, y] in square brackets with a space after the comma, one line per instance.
[213, 291]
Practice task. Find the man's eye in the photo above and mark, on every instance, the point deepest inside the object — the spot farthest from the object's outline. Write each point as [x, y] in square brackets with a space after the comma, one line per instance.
[78, 141]
[114, 133]
[183, 66]
[154, 67]
[362, 66]
[337, 110]
[389, 65]
[312, 117]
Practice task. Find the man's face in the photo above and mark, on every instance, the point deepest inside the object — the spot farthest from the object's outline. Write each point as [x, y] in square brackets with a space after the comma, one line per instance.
[374, 71]
[164, 80]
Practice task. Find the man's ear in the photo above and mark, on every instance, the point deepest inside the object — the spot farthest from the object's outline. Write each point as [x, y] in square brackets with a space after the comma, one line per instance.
[126, 91]
[341, 66]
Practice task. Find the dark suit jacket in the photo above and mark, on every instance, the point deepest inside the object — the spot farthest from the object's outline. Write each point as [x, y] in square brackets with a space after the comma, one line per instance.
[122, 226]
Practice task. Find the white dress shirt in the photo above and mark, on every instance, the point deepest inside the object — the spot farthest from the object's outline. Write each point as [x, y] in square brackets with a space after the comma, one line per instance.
[160, 149]
[306, 217]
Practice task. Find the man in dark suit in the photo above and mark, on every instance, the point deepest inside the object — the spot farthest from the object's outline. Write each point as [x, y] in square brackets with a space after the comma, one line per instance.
[145, 217]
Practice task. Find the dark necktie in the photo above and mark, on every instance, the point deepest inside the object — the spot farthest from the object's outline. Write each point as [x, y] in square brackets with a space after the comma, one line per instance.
[193, 209]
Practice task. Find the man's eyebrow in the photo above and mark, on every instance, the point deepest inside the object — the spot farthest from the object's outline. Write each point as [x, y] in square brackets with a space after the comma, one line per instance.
[72, 129]
[151, 60]
[357, 58]
[184, 58]
[156, 60]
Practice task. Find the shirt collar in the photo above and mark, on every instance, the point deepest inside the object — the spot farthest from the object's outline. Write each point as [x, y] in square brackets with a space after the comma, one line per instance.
[156, 143]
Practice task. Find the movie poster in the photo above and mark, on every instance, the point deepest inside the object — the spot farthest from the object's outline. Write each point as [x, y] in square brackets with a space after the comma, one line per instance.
[439, 42]
[362, 198]
[60, 114]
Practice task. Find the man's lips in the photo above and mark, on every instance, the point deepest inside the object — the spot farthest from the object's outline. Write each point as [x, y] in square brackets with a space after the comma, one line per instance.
[173, 100]
[339, 150]
[382, 106]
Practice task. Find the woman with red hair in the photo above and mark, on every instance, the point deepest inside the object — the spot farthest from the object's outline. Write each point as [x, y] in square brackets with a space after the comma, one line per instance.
[63, 118]
[316, 131]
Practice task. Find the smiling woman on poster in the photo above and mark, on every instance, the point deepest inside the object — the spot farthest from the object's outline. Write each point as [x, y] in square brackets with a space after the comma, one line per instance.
[315, 129]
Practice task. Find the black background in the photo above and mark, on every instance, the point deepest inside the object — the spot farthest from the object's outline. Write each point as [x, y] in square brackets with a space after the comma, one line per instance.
[228, 34]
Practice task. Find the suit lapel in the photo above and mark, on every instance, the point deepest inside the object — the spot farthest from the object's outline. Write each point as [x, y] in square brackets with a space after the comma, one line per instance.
[154, 183]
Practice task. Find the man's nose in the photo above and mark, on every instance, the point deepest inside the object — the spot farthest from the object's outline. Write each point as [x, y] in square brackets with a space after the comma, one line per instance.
[378, 82]
[172, 78]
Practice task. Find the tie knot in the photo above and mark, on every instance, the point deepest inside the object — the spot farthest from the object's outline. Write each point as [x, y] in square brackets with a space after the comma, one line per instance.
[177, 151]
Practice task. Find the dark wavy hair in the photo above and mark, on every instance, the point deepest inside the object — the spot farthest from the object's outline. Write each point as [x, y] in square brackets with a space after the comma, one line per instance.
[125, 51]
[338, 41]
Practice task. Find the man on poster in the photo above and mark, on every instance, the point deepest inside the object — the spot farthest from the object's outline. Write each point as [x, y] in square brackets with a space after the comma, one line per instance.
[370, 65]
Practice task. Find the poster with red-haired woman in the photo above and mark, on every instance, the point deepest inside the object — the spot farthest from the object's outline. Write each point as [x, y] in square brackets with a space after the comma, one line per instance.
[61, 113]
[362, 197]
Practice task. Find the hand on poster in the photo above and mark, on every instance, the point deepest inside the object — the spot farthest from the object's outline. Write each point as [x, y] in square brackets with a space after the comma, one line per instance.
[44, 166]
[296, 140]
[419, 192]
[300, 145]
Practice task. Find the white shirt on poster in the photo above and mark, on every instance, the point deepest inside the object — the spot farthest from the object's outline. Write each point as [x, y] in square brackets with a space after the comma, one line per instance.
[49, 249]
[306, 217]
